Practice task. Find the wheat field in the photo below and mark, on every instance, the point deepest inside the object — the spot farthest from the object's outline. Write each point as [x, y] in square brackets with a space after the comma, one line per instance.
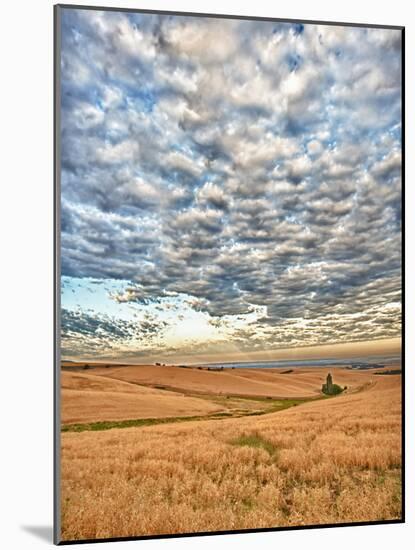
[299, 382]
[91, 398]
[335, 460]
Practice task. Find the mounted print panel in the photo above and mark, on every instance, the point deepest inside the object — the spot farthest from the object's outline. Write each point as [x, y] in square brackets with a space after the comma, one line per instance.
[228, 246]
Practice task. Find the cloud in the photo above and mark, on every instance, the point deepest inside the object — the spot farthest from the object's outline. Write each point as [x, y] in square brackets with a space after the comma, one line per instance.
[89, 334]
[260, 171]
[212, 195]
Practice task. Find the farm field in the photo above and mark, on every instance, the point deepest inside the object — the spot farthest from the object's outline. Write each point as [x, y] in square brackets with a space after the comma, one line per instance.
[91, 398]
[323, 461]
[251, 382]
[267, 382]
[101, 394]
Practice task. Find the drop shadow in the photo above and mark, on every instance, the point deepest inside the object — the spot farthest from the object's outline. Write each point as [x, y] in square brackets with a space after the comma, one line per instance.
[43, 532]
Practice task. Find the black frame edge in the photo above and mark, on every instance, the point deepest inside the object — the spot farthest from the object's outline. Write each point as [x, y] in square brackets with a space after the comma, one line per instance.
[403, 281]
[56, 277]
[234, 532]
[230, 16]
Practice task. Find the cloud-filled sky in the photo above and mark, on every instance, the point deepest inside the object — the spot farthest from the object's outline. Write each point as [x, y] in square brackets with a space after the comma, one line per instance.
[228, 186]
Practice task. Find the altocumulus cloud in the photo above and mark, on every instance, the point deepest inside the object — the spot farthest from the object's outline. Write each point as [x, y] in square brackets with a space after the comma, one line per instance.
[253, 166]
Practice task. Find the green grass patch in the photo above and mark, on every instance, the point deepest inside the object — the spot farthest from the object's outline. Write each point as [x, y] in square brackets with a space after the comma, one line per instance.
[270, 406]
[270, 400]
[248, 504]
[137, 422]
[389, 372]
[280, 405]
[335, 389]
[256, 441]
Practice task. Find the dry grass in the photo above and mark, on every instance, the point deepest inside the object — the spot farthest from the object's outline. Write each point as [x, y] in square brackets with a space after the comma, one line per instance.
[90, 398]
[336, 460]
[254, 382]
[125, 393]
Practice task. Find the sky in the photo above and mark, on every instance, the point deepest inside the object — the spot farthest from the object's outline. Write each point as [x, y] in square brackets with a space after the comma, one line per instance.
[229, 188]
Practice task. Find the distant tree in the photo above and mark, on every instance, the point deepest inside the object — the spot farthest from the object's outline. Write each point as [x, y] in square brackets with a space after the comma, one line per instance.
[329, 388]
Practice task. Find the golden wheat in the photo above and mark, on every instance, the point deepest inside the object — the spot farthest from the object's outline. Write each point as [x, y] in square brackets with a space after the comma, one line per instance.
[336, 460]
[90, 398]
[301, 382]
